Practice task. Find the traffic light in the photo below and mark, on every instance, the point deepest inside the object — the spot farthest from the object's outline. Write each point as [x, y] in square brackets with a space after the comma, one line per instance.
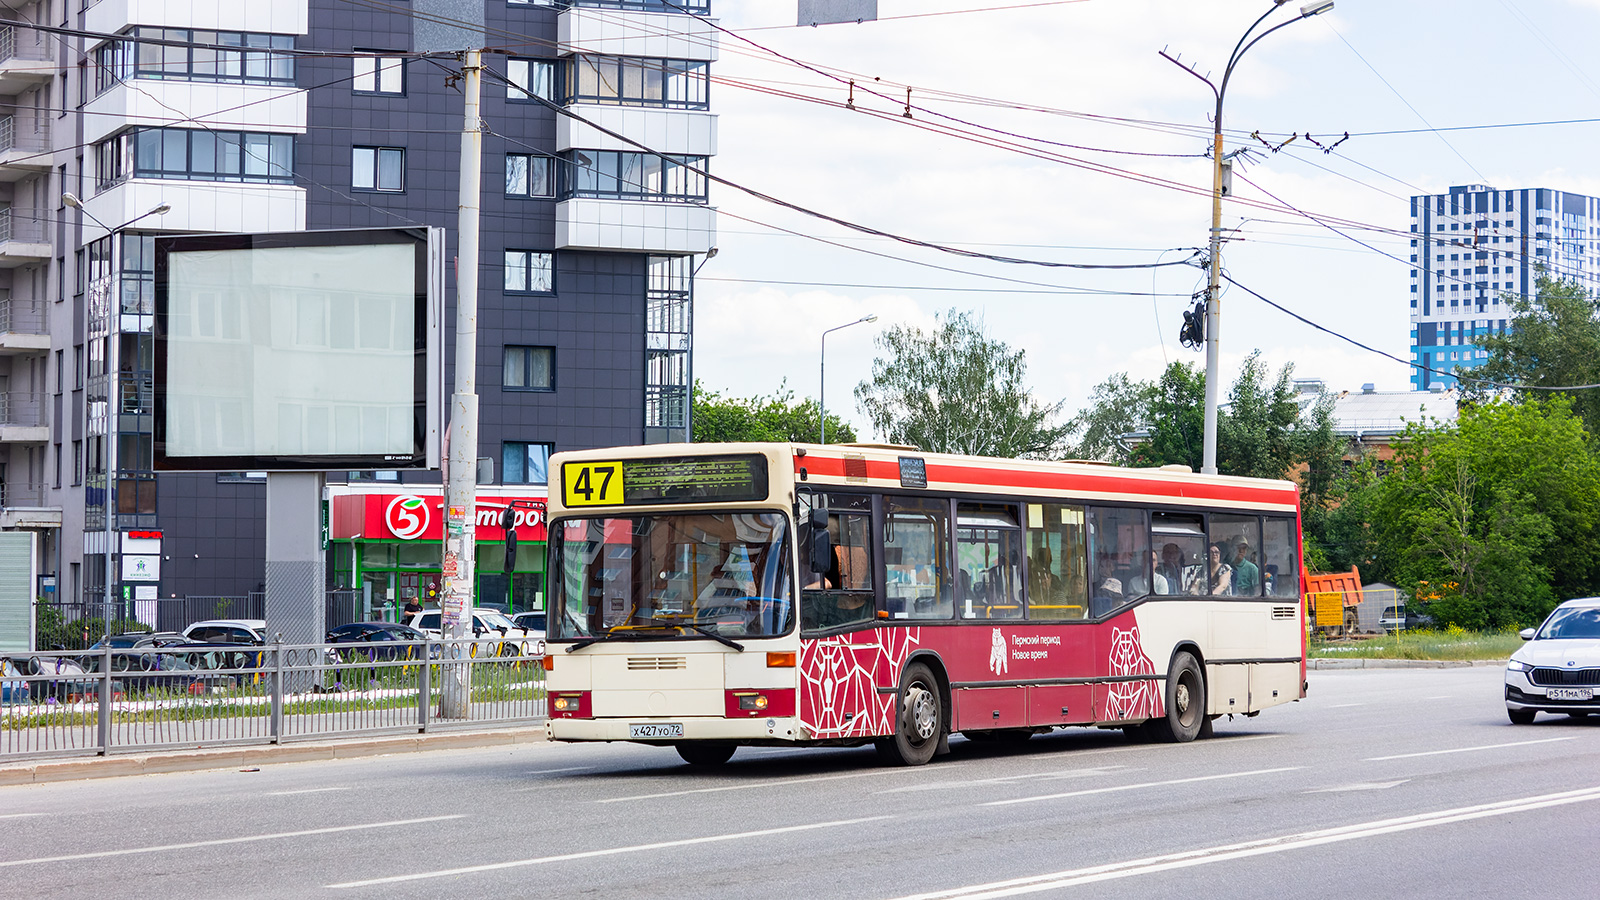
[1193, 333]
[508, 521]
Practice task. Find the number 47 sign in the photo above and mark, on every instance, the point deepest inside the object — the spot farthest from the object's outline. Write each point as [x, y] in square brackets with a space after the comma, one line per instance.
[592, 484]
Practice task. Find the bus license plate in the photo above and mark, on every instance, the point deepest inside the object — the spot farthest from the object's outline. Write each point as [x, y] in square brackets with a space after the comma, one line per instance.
[656, 730]
[1570, 693]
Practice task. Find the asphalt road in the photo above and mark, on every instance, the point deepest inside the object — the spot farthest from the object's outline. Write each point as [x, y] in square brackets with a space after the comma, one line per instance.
[1384, 783]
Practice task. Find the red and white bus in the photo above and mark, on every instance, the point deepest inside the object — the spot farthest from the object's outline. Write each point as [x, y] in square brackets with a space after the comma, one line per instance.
[712, 596]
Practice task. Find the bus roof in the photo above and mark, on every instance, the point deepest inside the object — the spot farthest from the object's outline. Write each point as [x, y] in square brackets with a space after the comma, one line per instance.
[889, 468]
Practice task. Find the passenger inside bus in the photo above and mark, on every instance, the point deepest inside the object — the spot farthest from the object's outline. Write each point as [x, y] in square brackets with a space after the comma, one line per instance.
[842, 595]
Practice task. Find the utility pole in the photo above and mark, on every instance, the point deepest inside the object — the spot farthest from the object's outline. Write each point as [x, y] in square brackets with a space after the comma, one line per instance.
[461, 465]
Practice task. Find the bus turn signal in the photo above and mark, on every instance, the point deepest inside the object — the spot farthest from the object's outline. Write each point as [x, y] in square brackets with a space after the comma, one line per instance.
[780, 660]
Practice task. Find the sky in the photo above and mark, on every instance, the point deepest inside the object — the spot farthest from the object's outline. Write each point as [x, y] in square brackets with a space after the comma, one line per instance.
[1074, 81]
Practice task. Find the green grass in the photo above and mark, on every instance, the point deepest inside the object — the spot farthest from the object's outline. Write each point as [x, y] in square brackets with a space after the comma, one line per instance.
[1453, 644]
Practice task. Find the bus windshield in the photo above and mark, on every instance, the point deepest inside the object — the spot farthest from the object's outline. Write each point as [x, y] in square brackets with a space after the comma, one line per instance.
[720, 575]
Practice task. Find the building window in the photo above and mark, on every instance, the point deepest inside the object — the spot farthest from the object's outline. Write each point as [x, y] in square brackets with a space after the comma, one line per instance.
[77, 463]
[378, 169]
[528, 175]
[379, 75]
[185, 155]
[375, 475]
[241, 478]
[529, 272]
[524, 463]
[616, 175]
[529, 369]
[530, 79]
[667, 339]
[207, 56]
[674, 83]
[698, 7]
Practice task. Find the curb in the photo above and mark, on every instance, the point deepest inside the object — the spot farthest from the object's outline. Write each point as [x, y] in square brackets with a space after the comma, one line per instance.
[50, 770]
[1402, 663]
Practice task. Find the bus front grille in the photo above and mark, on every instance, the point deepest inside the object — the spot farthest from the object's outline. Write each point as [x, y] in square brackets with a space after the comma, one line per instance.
[656, 663]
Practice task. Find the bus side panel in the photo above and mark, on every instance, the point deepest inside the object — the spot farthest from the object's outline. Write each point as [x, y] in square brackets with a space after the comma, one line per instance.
[840, 676]
[1124, 654]
[978, 709]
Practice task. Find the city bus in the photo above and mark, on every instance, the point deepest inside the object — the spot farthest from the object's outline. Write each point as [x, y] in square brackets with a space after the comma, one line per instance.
[712, 596]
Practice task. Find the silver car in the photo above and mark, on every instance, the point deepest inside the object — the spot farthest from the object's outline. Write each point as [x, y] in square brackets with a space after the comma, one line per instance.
[1559, 669]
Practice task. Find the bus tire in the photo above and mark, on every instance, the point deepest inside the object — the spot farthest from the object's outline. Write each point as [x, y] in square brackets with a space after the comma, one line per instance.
[919, 719]
[1186, 701]
[706, 753]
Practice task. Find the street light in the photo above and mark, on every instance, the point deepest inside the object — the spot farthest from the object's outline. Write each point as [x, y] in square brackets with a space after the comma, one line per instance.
[822, 387]
[113, 401]
[1213, 300]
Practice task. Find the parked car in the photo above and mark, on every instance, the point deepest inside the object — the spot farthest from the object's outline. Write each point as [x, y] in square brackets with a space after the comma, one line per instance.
[127, 649]
[496, 635]
[13, 684]
[1402, 618]
[379, 640]
[1558, 670]
[531, 622]
[227, 631]
[61, 678]
[194, 668]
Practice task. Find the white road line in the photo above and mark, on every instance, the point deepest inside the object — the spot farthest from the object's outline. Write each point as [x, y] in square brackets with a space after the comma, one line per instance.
[221, 841]
[1467, 749]
[610, 851]
[983, 782]
[1135, 787]
[553, 771]
[1345, 705]
[305, 791]
[19, 815]
[749, 785]
[1358, 786]
[1187, 859]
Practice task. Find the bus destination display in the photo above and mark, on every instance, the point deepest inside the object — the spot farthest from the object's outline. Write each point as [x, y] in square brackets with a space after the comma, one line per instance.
[671, 480]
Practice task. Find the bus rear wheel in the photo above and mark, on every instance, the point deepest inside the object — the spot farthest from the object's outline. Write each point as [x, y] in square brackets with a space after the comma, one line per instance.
[1186, 702]
[706, 753]
[919, 720]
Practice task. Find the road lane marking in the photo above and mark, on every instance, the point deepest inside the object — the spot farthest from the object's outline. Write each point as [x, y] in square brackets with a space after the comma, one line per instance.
[553, 771]
[1358, 786]
[765, 784]
[1345, 705]
[1135, 787]
[1467, 749]
[1168, 862]
[984, 782]
[19, 815]
[305, 791]
[610, 851]
[222, 841]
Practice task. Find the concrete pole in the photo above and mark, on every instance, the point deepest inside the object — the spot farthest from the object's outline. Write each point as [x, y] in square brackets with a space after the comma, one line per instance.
[1208, 464]
[461, 465]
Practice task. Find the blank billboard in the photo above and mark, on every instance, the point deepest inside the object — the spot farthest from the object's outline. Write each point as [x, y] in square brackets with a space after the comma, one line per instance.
[310, 350]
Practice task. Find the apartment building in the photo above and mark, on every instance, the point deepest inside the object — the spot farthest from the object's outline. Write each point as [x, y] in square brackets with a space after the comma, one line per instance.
[1472, 246]
[166, 117]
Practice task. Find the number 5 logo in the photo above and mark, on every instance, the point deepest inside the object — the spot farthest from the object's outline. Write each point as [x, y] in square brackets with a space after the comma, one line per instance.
[406, 516]
[593, 484]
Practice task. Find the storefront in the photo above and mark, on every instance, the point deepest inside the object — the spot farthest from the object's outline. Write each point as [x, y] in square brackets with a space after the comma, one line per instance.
[387, 546]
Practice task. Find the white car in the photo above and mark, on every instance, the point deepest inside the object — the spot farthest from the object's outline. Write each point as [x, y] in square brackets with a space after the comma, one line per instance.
[227, 631]
[495, 634]
[1559, 669]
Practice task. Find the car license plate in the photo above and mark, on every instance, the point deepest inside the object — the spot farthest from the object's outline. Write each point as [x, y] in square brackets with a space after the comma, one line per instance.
[656, 730]
[1570, 693]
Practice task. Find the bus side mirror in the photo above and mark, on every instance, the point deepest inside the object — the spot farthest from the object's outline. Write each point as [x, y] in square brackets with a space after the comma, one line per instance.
[821, 544]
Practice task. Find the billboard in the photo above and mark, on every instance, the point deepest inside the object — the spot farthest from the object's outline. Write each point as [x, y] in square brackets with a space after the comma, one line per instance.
[298, 350]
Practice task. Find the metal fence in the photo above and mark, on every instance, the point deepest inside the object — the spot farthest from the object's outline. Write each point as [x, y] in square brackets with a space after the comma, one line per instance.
[174, 614]
[118, 701]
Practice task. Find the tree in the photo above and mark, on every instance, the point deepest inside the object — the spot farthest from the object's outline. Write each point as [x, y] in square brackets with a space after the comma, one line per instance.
[1176, 420]
[775, 418]
[1118, 406]
[1496, 514]
[956, 390]
[1553, 339]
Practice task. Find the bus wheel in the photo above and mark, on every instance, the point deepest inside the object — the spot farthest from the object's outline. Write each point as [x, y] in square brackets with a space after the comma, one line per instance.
[1186, 702]
[920, 722]
[706, 753]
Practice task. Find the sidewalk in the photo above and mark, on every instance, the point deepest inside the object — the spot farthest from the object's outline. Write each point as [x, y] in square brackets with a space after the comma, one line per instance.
[1401, 663]
[40, 771]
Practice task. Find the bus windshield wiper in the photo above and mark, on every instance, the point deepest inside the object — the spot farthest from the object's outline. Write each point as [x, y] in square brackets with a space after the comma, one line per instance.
[713, 635]
[579, 645]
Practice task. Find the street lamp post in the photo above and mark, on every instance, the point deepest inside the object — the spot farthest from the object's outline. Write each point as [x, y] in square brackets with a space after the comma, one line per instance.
[822, 386]
[1213, 299]
[113, 428]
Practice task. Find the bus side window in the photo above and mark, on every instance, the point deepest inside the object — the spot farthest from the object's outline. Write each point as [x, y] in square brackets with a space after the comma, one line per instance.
[843, 594]
[989, 560]
[1280, 567]
[1119, 550]
[916, 547]
[1057, 582]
